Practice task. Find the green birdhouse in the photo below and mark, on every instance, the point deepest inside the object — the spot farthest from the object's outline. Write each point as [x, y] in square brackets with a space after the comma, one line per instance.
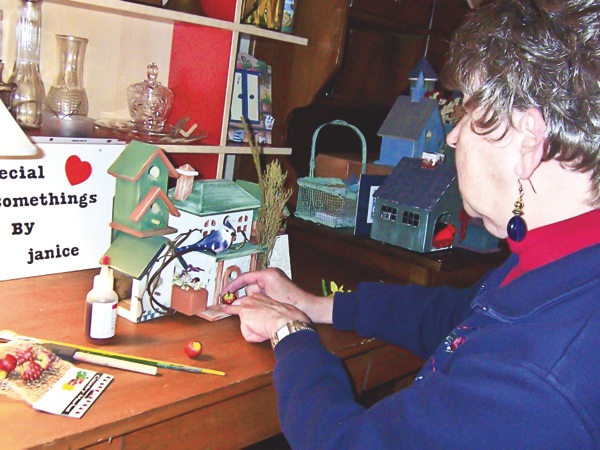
[141, 205]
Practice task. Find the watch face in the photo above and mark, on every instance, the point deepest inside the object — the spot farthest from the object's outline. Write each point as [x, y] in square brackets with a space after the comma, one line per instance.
[290, 328]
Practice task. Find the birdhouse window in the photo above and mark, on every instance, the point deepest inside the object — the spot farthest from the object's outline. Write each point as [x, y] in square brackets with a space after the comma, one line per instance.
[410, 218]
[388, 213]
[156, 209]
[428, 135]
[445, 218]
[154, 172]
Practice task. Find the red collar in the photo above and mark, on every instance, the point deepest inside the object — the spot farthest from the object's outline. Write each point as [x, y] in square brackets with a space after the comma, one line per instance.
[546, 244]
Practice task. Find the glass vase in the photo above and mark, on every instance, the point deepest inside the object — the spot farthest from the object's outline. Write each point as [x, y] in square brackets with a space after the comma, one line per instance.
[27, 99]
[67, 97]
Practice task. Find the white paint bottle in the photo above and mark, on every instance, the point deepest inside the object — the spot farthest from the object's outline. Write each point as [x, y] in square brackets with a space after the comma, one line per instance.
[101, 307]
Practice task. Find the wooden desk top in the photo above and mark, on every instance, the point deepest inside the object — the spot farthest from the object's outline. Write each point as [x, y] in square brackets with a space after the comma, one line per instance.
[336, 254]
[52, 307]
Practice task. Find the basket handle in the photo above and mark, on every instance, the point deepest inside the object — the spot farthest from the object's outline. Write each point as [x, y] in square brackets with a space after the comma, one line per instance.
[345, 124]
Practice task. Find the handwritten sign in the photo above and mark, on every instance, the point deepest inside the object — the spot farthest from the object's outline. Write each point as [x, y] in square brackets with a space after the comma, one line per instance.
[55, 211]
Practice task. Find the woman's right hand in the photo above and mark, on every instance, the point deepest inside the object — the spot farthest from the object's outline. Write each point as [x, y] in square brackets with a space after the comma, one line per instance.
[275, 284]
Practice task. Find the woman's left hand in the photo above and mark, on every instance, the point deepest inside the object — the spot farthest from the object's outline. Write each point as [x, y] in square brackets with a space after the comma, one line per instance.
[260, 316]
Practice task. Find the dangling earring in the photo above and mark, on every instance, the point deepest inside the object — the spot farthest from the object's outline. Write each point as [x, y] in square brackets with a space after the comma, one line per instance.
[517, 228]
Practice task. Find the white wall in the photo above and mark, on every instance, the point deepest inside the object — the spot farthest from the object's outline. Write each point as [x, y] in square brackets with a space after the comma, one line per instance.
[118, 51]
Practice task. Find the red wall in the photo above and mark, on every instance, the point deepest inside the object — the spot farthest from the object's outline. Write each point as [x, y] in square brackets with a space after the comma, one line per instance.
[198, 79]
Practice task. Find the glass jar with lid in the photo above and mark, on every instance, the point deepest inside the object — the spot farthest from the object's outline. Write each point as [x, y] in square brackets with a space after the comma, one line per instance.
[149, 102]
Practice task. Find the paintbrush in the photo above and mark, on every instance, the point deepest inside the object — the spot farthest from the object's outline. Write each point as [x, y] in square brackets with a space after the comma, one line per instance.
[8, 335]
[73, 354]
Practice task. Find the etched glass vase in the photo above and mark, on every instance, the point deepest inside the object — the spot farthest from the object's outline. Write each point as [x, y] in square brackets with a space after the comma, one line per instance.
[67, 97]
[27, 98]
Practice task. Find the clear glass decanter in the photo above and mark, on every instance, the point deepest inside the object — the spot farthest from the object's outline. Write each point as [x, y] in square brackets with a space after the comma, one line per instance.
[28, 97]
[67, 97]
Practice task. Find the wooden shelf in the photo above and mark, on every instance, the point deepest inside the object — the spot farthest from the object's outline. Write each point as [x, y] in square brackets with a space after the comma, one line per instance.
[222, 149]
[169, 16]
[214, 35]
[192, 148]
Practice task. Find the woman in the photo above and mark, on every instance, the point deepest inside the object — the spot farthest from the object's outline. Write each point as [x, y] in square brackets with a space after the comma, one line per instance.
[511, 362]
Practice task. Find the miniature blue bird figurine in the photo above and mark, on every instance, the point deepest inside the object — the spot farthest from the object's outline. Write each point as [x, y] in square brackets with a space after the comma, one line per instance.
[215, 242]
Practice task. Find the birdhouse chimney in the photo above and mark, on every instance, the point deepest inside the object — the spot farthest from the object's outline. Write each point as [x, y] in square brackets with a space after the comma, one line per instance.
[185, 182]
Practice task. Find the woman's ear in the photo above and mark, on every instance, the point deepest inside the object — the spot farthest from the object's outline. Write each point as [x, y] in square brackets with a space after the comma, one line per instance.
[532, 126]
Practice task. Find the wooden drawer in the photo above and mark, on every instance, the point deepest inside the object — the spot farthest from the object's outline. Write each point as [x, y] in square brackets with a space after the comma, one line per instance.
[213, 427]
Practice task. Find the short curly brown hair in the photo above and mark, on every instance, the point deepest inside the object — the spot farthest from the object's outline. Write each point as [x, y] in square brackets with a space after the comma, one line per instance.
[518, 54]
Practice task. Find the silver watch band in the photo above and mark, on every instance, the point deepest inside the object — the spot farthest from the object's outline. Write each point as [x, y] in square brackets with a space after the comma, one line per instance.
[290, 328]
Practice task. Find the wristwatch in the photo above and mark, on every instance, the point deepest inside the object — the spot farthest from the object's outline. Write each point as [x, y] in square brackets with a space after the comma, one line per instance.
[290, 328]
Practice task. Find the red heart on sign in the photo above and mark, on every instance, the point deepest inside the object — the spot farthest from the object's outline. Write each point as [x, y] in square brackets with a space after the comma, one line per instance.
[77, 170]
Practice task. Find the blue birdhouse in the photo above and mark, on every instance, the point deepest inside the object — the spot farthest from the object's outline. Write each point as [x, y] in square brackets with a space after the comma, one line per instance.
[418, 206]
[423, 69]
[410, 129]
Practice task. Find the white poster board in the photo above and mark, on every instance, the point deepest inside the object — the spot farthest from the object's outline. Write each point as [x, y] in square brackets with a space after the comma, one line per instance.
[55, 211]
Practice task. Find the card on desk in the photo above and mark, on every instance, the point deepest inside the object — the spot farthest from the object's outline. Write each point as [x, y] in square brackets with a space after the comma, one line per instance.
[74, 393]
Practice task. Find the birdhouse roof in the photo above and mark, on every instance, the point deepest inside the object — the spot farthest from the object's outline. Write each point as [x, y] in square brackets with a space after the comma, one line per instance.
[133, 256]
[413, 185]
[423, 66]
[407, 119]
[136, 158]
[146, 203]
[210, 197]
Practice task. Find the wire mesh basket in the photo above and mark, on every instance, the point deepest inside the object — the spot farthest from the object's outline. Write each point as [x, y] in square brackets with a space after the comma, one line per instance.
[329, 201]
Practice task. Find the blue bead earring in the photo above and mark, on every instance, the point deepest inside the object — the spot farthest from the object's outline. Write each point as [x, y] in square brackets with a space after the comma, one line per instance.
[517, 228]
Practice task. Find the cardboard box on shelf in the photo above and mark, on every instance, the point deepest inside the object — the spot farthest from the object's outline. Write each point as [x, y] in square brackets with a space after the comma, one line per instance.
[343, 165]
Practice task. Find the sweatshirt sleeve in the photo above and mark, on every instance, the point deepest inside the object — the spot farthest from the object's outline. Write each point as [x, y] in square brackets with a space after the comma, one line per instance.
[317, 408]
[413, 317]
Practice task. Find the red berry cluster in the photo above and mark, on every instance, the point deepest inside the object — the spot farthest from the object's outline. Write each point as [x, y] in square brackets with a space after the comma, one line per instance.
[28, 363]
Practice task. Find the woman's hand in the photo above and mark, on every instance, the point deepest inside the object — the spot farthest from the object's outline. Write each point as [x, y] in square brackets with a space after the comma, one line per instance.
[261, 316]
[275, 284]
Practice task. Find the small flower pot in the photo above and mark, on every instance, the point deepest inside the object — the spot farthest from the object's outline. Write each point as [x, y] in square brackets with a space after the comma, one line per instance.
[189, 302]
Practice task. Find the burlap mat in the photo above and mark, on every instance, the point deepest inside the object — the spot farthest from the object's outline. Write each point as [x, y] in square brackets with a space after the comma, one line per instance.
[30, 391]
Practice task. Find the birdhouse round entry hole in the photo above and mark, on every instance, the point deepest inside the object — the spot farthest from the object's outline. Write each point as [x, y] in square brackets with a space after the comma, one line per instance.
[154, 172]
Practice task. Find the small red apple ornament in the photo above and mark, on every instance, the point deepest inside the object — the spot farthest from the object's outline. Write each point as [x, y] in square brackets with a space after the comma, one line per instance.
[193, 349]
[228, 298]
[8, 363]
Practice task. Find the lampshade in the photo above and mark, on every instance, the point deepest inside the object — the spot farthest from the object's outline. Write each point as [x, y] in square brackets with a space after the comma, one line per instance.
[13, 140]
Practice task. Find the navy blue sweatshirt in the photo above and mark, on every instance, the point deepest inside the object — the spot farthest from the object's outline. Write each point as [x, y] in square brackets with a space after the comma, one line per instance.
[512, 366]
